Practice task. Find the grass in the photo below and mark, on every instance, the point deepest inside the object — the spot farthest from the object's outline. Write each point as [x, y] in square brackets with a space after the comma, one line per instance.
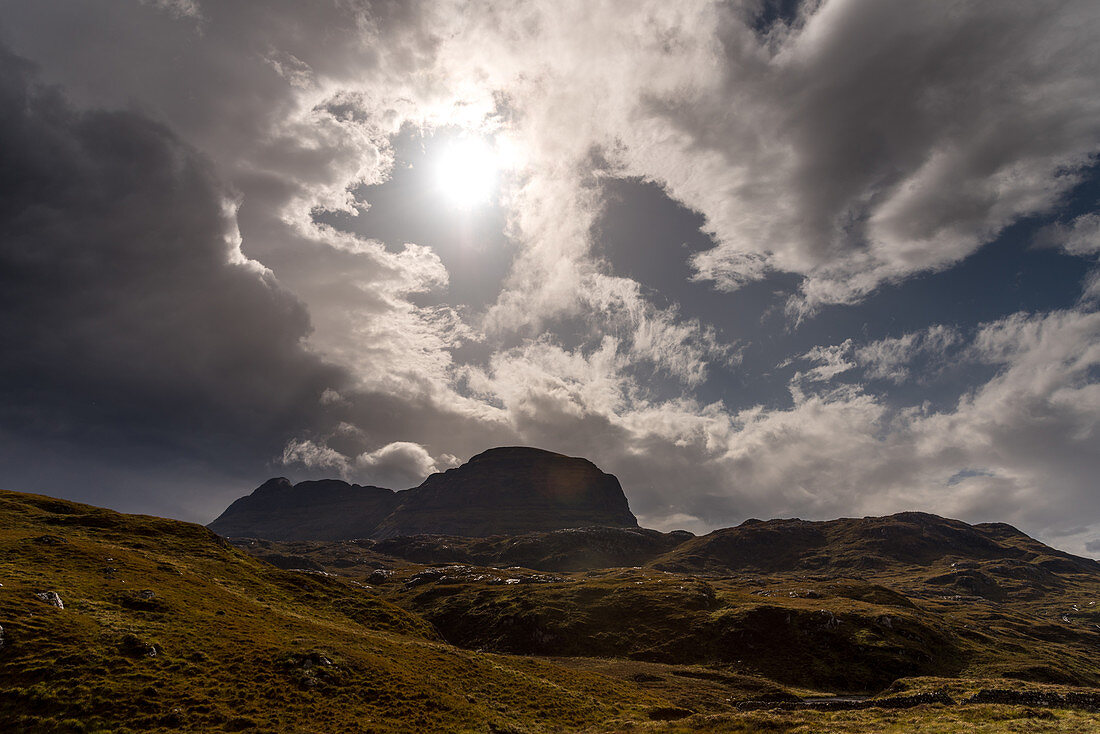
[237, 644]
[167, 627]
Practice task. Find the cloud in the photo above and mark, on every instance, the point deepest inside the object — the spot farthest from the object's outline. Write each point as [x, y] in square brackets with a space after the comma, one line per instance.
[315, 456]
[1080, 237]
[1020, 447]
[127, 304]
[132, 318]
[401, 464]
[397, 465]
[864, 143]
[831, 361]
[168, 281]
[883, 139]
[891, 358]
[1090, 293]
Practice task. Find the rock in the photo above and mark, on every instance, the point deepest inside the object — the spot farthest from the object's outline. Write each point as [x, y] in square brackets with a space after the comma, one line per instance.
[144, 600]
[51, 597]
[1, 636]
[379, 576]
[49, 540]
[827, 619]
[424, 577]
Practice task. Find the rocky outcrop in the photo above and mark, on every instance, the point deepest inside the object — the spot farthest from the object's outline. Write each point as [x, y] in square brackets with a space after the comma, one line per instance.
[502, 491]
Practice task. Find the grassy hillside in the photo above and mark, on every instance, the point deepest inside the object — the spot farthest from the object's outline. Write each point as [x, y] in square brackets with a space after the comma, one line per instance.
[844, 635]
[167, 627]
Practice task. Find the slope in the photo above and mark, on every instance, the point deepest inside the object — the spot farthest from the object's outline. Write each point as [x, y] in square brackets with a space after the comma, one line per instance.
[165, 626]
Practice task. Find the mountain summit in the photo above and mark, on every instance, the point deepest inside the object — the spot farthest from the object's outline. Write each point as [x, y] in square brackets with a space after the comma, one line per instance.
[502, 491]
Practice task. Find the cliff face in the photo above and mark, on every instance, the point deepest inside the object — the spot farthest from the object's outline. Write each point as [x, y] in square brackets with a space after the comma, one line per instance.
[502, 491]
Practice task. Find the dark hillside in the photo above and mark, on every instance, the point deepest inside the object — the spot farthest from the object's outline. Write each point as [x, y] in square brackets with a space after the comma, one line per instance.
[870, 544]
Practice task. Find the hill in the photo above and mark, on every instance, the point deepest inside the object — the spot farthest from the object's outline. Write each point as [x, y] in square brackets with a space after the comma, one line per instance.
[123, 623]
[869, 544]
[117, 623]
[502, 491]
[849, 604]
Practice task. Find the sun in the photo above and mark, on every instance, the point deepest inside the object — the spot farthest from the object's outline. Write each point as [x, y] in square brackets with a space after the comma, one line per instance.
[466, 173]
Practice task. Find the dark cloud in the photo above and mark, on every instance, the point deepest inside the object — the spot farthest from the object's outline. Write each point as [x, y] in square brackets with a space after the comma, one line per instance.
[127, 313]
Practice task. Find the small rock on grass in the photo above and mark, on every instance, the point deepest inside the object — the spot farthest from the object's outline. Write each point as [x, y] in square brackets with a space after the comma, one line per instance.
[51, 597]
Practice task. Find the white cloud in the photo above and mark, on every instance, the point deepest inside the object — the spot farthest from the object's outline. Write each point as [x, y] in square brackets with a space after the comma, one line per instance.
[1079, 237]
[1090, 293]
[397, 465]
[400, 465]
[831, 361]
[890, 358]
[314, 456]
[834, 150]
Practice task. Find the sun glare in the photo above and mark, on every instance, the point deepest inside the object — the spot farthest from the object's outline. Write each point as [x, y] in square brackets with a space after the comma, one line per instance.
[466, 173]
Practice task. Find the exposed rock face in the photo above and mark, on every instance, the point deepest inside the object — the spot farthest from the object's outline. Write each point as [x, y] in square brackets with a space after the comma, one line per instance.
[503, 491]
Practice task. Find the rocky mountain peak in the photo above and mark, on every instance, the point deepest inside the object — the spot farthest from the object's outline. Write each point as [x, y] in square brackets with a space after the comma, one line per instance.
[502, 491]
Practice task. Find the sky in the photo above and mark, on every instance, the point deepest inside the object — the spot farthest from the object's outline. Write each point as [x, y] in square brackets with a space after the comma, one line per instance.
[811, 259]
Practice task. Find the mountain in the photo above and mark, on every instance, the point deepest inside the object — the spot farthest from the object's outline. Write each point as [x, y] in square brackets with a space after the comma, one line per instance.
[328, 509]
[502, 491]
[862, 545]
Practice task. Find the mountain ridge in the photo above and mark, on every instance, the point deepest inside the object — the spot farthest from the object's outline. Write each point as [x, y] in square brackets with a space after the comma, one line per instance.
[506, 490]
